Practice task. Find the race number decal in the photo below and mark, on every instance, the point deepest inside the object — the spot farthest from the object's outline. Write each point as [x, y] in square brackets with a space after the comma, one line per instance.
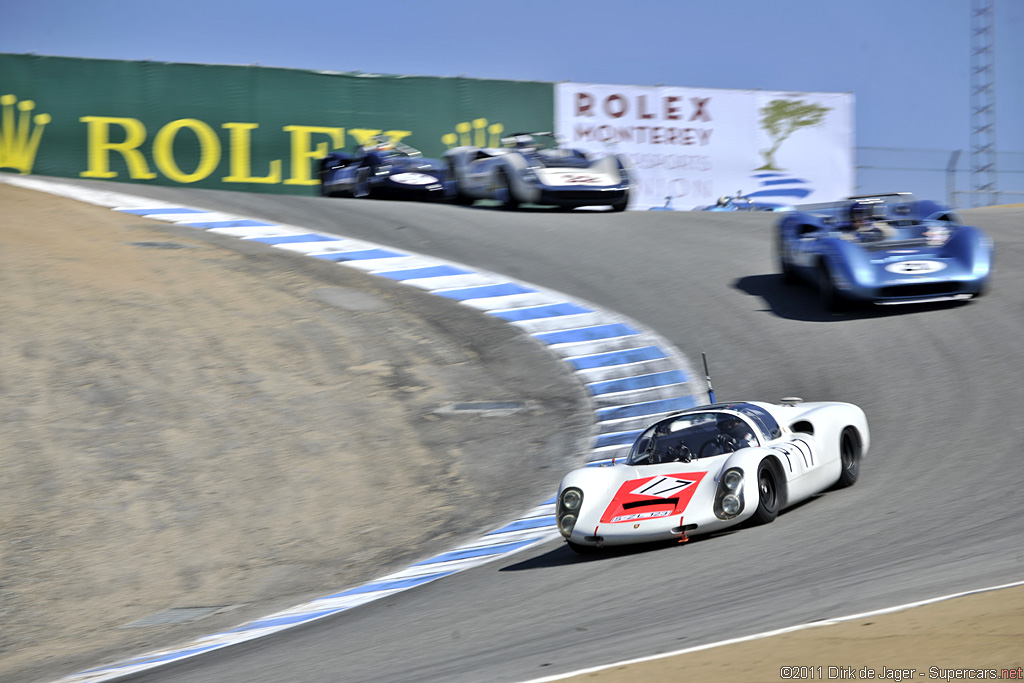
[413, 178]
[552, 177]
[662, 487]
[915, 267]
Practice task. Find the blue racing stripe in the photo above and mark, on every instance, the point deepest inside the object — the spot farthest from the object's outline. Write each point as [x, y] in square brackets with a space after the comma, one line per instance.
[581, 334]
[359, 255]
[791, 192]
[537, 312]
[534, 523]
[177, 654]
[647, 408]
[156, 212]
[283, 621]
[237, 223]
[657, 379]
[295, 239]
[618, 439]
[603, 360]
[486, 291]
[476, 552]
[390, 585]
[416, 273]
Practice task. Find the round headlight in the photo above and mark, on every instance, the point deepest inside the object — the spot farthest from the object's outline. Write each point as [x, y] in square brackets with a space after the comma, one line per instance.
[566, 524]
[571, 499]
[730, 504]
[732, 479]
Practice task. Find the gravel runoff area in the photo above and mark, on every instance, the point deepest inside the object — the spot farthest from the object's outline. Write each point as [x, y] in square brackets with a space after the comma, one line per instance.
[191, 422]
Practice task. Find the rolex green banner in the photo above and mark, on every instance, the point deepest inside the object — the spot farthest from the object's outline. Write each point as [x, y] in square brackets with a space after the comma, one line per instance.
[236, 127]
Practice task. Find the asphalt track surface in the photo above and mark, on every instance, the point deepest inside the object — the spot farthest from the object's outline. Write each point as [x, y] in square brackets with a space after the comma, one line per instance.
[936, 510]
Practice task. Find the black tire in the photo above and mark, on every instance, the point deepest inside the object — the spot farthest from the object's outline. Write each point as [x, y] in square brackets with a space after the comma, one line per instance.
[831, 300]
[581, 549]
[361, 186]
[458, 197]
[850, 451]
[322, 172]
[788, 274]
[621, 206]
[769, 494]
[509, 203]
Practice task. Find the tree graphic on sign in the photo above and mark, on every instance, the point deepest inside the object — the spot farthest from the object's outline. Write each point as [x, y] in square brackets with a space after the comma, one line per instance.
[782, 118]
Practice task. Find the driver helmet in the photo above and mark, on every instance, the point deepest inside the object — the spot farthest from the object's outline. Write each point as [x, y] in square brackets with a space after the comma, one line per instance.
[723, 200]
[860, 214]
[732, 425]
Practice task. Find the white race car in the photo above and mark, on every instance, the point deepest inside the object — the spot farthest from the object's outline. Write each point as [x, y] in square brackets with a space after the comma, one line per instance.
[705, 469]
[532, 168]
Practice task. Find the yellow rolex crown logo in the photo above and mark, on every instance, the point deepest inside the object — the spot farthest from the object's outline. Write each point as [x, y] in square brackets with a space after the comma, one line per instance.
[18, 141]
[476, 132]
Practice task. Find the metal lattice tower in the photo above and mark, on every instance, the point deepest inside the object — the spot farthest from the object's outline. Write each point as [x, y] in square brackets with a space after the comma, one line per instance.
[983, 103]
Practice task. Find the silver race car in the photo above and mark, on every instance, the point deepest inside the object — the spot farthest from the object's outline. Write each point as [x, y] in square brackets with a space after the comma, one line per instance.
[533, 168]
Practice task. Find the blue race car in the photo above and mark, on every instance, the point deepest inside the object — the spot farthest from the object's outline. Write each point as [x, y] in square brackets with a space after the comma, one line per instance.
[884, 249]
[737, 203]
[384, 168]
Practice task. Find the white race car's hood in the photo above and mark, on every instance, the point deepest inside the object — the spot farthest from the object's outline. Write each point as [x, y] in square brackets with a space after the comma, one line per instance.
[618, 494]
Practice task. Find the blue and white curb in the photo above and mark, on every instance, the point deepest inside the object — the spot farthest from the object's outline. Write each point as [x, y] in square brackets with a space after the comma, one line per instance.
[631, 374]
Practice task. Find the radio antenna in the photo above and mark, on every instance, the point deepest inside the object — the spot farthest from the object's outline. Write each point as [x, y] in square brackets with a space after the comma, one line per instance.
[707, 375]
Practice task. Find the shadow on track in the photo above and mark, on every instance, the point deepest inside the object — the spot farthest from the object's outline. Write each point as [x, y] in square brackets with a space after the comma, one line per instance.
[800, 302]
[562, 555]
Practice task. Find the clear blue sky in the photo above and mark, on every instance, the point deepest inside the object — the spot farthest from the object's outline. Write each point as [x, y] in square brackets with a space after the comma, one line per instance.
[906, 61]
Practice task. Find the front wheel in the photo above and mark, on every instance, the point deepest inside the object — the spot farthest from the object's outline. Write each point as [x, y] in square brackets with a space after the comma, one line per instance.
[505, 196]
[361, 187]
[831, 300]
[788, 275]
[457, 197]
[767, 494]
[621, 206]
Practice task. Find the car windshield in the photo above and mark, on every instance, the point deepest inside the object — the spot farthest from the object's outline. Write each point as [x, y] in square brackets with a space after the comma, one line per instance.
[386, 148]
[544, 151]
[531, 141]
[688, 436]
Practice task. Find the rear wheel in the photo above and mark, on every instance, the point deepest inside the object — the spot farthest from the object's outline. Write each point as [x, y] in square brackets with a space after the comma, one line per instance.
[850, 450]
[767, 494]
[323, 172]
[621, 206]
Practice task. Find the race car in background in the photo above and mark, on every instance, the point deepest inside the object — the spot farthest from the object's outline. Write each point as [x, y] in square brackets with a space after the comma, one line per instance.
[736, 203]
[713, 467]
[534, 168]
[383, 168]
[883, 249]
